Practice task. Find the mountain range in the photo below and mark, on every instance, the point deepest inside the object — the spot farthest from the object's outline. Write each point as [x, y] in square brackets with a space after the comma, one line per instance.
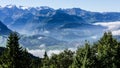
[23, 17]
[58, 26]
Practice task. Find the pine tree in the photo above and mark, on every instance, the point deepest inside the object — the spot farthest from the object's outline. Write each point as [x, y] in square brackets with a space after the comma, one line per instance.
[26, 60]
[85, 57]
[107, 51]
[54, 61]
[13, 53]
[65, 58]
[14, 56]
[45, 62]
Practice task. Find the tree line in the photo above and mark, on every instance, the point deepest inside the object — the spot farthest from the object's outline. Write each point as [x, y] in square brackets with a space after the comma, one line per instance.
[105, 53]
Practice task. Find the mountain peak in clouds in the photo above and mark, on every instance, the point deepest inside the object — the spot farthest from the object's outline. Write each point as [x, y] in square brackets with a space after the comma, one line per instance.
[24, 7]
[45, 7]
[10, 6]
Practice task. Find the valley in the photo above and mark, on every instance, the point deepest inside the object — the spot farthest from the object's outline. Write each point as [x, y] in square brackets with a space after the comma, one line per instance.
[44, 28]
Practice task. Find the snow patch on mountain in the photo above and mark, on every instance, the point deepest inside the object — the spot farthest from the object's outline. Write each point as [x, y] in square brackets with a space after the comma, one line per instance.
[94, 37]
[40, 37]
[10, 6]
[24, 7]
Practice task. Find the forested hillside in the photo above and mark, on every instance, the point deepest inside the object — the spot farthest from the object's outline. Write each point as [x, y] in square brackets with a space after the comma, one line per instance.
[103, 54]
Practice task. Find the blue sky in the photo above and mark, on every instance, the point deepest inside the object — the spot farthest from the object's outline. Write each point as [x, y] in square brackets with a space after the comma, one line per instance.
[91, 5]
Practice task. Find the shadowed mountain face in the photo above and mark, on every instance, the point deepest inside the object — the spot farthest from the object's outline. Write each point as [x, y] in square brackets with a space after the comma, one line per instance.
[4, 32]
[60, 19]
[4, 29]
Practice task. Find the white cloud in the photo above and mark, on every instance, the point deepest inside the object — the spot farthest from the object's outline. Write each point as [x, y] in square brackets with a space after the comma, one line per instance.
[50, 52]
[42, 46]
[37, 52]
[40, 52]
[72, 49]
[116, 32]
[111, 26]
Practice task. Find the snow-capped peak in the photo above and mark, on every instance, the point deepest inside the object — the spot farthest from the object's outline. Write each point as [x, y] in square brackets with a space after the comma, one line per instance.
[10, 6]
[43, 7]
[14, 6]
[23, 7]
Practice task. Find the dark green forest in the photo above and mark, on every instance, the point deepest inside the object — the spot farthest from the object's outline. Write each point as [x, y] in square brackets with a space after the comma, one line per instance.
[105, 53]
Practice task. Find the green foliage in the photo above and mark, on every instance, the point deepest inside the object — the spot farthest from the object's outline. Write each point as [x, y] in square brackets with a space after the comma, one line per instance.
[107, 51]
[26, 59]
[103, 54]
[45, 61]
[85, 57]
[62, 60]
[14, 56]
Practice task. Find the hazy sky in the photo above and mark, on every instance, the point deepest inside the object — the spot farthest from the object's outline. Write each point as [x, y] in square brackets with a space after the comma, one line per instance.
[91, 5]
